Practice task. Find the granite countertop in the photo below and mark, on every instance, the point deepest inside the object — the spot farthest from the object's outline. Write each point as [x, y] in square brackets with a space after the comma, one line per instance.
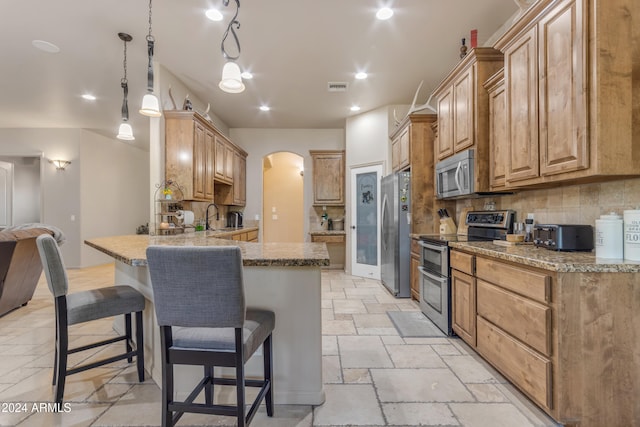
[229, 231]
[131, 249]
[328, 233]
[568, 262]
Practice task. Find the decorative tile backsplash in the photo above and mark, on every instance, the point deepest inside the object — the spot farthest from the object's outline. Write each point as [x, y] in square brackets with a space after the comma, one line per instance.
[573, 204]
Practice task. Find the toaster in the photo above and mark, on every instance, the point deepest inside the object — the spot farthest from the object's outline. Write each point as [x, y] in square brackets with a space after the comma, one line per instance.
[563, 237]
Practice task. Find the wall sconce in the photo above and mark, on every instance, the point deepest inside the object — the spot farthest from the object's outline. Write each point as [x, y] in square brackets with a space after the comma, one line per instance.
[60, 164]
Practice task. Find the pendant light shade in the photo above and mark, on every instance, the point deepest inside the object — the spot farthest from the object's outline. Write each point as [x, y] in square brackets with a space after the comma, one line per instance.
[125, 132]
[150, 106]
[231, 80]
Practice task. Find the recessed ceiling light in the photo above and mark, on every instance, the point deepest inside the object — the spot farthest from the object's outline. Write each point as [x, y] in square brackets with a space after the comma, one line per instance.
[384, 13]
[246, 75]
[264, 108]
[89, 97]
[45, 46]
[355, 108]
[214, 14]
[361, 75]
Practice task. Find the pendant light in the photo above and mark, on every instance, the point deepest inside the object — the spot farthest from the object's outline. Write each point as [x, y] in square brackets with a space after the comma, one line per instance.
[125, 132]
[150, 103]
[231, 79]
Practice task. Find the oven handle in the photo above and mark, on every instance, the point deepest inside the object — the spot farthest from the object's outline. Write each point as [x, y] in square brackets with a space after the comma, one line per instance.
[436, 248]
[433, 276]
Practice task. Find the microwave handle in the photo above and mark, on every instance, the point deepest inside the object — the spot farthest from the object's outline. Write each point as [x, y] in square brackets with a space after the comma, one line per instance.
[458, 169]
[438, 191]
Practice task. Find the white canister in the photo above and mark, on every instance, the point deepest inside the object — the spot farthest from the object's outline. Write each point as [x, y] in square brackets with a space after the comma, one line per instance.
[632, 235]
[609, 242]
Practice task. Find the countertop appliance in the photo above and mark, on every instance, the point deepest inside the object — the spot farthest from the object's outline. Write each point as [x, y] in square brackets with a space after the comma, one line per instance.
[435, 284]
[234, 219]
[395, 241]
[563, 237]
[454, 175]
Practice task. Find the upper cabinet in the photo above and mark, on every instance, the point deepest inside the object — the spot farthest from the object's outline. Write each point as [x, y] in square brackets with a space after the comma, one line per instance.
[463, 106]
[197, 154]
[569, 84]
[189, 154]
[498, 141]
[401, 150]
[328, 177]
[463, 110]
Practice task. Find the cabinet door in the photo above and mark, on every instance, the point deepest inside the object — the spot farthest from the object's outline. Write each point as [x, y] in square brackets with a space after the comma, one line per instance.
[463, 305]
[498, 140]
[563, 97]
[199, 162]
[239, 180]
[220, 152]
[415, 277]
[395, 154]
[228, 163]
[209, 141]
[328, 178]
[401, 150]
[463, 107]
[445, 125]
[521, 77]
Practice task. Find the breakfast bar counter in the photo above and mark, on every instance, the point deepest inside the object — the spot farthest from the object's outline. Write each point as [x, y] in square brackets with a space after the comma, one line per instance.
[282, 277]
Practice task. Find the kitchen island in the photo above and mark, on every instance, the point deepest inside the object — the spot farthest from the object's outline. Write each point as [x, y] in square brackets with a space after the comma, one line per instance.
[282, 277]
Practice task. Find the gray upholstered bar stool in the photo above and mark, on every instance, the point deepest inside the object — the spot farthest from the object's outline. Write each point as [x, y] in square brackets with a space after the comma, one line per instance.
[84, 306]
[200, 307]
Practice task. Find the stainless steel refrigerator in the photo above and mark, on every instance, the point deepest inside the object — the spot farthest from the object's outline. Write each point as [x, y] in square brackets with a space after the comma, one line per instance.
[396, 226]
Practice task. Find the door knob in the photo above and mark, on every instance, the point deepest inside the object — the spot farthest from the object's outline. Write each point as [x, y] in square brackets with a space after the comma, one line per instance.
[353, 227]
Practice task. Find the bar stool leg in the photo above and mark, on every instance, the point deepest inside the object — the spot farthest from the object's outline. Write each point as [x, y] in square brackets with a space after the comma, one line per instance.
[127, 331]
[268, 368]
[139, 346]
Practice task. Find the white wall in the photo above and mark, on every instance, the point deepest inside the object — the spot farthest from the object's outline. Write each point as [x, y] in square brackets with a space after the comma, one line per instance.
[115, 183]
[262, 142]
[62, 198]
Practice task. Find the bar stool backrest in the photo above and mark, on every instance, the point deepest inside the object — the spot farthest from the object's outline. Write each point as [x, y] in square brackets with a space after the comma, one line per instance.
[54, 270]
[205, 290]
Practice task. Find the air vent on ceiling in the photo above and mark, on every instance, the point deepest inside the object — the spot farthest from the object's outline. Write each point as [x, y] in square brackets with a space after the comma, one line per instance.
[337, 86]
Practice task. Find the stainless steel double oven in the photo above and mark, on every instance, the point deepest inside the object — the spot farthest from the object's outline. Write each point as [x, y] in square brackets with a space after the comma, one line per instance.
[435, 288]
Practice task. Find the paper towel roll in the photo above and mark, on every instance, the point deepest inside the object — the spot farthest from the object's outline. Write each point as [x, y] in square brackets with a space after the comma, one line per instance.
[188, 217]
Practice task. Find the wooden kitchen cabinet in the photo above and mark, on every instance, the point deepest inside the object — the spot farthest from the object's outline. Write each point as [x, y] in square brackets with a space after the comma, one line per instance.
[328, 177]
[401, 151]
[463, 110]
[463, 306]
[415, 275]
[189, 154]
[498, 140]
[236, 193]
[419, 133]
[224, 161]
[563, 122]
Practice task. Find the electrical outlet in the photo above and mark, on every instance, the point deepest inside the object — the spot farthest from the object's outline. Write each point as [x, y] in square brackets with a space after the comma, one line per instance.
[530, 216]
[274, 217]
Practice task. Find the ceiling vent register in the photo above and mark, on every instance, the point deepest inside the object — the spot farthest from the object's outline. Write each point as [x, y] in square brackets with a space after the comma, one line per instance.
[337, 86]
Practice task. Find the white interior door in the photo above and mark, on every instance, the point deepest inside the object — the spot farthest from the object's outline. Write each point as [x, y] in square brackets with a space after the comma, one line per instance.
[365, 221]
[6, 194]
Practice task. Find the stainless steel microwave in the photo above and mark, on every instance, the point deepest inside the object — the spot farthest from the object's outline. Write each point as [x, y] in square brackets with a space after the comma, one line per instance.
[454, 175]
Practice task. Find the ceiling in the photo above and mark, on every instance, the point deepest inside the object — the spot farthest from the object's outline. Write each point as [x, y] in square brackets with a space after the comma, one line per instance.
[292, 47]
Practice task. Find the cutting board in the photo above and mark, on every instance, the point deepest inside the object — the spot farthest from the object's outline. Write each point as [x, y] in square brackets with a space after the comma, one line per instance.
[462, 226]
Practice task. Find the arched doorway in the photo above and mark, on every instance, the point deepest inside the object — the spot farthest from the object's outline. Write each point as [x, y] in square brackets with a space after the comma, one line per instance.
[283, 190]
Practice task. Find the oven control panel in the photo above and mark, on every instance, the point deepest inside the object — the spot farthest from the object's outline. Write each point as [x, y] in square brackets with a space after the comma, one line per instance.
[493, 219]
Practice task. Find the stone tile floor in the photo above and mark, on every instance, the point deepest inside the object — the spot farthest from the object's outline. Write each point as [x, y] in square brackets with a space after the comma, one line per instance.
[373, 377]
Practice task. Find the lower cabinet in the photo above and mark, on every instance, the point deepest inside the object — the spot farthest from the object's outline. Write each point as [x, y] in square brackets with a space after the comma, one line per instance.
[414, 273]
[463, 306]
[335, 246]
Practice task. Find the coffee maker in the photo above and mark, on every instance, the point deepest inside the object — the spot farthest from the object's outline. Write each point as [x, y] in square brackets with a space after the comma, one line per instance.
[234, 219]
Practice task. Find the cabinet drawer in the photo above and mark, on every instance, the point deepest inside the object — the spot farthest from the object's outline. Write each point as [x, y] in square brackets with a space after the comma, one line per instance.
[328, 239]
[415, 247]
[462, 262]
[252, 235]
[530, 371]
[526, 320]
[532, 284]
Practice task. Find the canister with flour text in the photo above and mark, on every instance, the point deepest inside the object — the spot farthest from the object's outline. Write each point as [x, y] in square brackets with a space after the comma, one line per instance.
[632, 235]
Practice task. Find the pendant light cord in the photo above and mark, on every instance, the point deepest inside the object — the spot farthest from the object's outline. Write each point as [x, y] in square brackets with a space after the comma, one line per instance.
[230, 28]
[125, 86]
[150, 44]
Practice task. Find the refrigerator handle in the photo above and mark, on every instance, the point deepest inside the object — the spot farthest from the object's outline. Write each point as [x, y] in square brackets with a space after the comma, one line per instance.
[385, 225]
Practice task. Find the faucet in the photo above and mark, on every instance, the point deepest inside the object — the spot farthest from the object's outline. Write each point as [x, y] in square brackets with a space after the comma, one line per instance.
[217, 215]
